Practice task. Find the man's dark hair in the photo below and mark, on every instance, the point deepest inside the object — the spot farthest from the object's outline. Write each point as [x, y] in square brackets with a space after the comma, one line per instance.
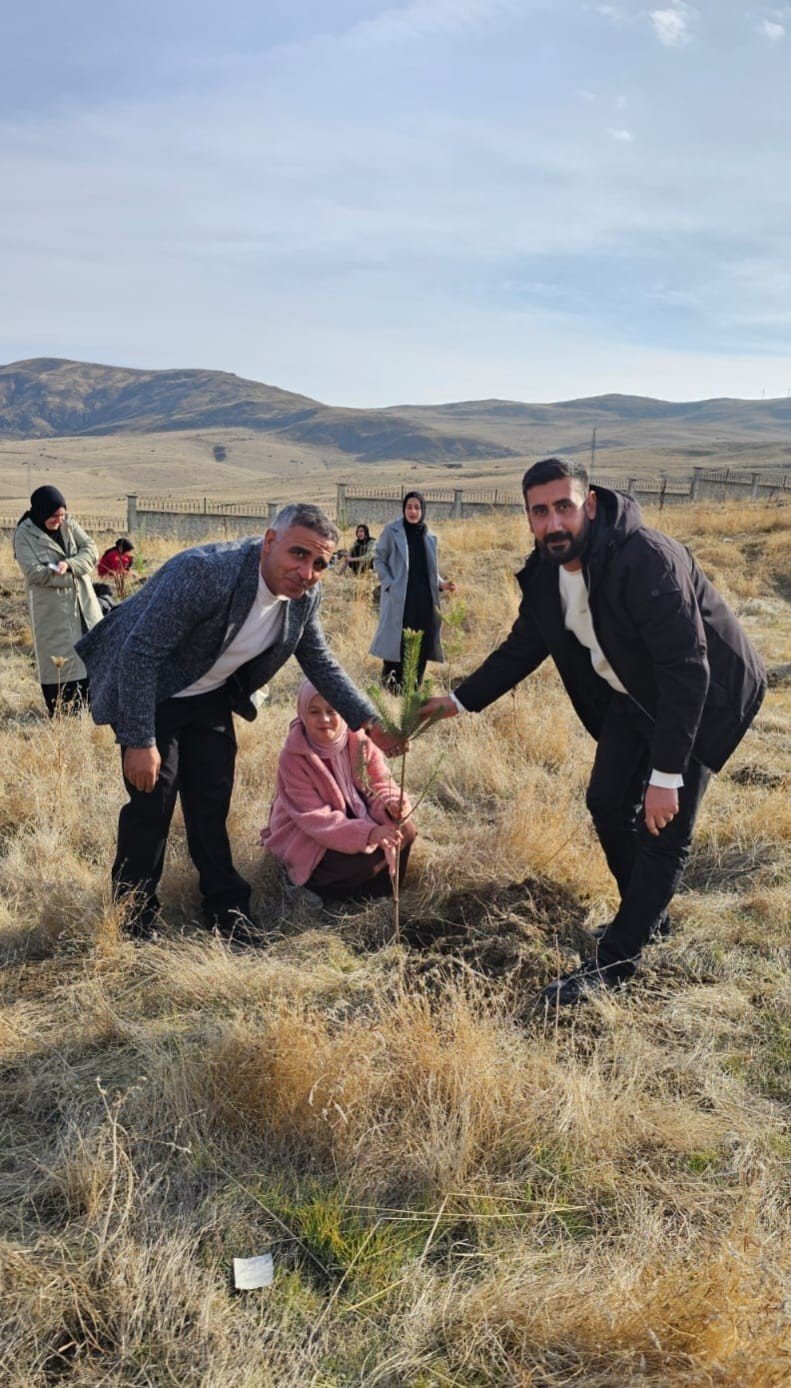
[311, 517]
[551, 470]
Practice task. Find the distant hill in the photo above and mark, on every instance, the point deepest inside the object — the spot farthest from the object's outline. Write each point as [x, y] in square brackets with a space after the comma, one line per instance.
[47, 397]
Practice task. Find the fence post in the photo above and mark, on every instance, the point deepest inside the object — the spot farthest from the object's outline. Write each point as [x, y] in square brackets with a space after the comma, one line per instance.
[131, 511]
[272, 508]
[697, 475]
[204, 506]
[754, 487]
[340, 504]
[630, 485]
[458, 504]
[662, 489]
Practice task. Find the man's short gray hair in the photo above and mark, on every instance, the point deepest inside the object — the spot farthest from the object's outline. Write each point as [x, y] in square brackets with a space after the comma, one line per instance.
[311, 517]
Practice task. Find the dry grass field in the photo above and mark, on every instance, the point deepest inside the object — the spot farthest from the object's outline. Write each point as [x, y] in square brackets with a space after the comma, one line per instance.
[455, 1190]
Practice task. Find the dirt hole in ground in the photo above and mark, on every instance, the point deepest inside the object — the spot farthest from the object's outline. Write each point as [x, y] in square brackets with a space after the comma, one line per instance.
[754, 775]
[509, 931]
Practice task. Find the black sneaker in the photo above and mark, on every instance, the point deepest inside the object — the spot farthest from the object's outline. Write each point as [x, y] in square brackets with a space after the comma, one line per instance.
[584, 983]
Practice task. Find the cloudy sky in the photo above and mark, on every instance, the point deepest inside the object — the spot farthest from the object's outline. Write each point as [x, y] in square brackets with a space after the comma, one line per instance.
[422, 201]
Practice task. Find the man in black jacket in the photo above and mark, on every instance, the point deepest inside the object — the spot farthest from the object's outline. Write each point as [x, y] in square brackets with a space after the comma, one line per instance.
[659, 671]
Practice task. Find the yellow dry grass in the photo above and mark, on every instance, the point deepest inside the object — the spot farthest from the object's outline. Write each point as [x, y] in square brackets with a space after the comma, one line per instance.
[454, 1191]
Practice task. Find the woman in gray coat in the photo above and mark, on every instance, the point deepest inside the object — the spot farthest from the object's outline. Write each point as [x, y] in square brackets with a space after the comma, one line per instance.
[406, 564]
[56, 557]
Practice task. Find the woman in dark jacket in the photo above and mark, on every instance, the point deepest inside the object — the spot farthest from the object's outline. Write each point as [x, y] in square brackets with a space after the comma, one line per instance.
[406, 564]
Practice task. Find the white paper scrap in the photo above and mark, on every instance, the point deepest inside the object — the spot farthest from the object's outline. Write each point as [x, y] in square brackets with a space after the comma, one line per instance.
[249, 1273]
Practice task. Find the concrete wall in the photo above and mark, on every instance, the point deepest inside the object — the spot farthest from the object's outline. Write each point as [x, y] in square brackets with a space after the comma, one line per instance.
[352, 508]
[190, 527]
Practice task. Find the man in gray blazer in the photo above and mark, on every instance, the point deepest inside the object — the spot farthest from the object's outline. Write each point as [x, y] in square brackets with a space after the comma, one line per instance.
[170, 666]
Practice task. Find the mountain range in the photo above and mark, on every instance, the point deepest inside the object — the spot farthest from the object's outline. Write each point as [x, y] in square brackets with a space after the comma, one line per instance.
[51, 397]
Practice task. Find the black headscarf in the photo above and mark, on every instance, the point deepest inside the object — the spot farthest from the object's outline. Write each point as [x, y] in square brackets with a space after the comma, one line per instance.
[415, 525]
[360, 546]
[44, 502]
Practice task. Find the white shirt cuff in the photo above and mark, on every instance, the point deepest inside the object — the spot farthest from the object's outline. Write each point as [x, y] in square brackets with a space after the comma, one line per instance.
[666, 780]
[458, 703]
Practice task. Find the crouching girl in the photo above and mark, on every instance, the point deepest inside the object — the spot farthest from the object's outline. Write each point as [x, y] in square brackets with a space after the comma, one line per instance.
[332, 822]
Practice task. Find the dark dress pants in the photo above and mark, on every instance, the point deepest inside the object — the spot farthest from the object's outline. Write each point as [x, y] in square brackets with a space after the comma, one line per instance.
[70, 697]
[393, 670]
[197, 744]
[647, 868]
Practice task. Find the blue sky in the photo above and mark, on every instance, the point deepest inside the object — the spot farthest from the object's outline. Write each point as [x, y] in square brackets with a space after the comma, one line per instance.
[417, 202]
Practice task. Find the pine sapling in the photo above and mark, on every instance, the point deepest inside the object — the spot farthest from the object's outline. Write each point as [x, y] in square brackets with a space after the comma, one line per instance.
[405, 722]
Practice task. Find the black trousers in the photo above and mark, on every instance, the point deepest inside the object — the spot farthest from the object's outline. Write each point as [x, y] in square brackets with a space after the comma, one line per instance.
[197, 744]
[393, 670]
[647, 868]
[66, 698]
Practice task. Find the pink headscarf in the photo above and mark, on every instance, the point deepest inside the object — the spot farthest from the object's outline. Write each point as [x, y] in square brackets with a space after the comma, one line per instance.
[337, 754]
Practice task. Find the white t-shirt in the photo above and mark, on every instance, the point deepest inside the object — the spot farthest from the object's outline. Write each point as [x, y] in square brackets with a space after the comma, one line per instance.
[259, 630]
[577, 619]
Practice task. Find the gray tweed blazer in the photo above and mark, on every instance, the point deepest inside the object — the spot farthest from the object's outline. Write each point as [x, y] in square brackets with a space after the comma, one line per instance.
[173, 629]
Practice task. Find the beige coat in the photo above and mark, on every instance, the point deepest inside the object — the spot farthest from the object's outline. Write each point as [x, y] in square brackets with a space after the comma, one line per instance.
[62, 606]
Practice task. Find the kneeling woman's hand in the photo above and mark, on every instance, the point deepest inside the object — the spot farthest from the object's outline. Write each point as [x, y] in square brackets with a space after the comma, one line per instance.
[385, 836]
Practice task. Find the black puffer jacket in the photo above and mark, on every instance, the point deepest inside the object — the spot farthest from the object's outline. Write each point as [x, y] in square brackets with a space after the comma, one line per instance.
[671, 640]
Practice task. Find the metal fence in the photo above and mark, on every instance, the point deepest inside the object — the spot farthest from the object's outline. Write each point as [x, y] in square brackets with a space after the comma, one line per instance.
[91, 523]
[201, 506]
[440, 494]
[195, 518]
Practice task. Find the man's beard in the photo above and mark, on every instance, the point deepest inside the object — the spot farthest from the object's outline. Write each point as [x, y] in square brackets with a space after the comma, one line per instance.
[575, 545]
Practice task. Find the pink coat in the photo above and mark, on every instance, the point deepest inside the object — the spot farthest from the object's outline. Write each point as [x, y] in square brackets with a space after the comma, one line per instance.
[308, 814]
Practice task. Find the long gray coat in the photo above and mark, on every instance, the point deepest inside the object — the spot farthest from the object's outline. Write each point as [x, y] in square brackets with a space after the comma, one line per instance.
[61, 605]
[391, 562]
[170, 632]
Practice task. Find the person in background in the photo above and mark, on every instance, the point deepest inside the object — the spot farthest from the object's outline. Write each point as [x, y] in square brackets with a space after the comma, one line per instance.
[332, 819]
[56, 557]
[658, 669]
[360, 557]
[117, 559]
[406, 565]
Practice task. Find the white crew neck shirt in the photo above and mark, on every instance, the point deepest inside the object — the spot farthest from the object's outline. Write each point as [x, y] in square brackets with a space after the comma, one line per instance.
[577, 619]
[260, 629]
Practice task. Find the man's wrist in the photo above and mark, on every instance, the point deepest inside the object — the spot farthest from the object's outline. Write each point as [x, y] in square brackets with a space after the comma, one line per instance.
[666, 780]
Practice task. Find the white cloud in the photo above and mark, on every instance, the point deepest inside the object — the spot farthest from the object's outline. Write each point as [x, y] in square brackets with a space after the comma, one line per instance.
[671, 26]
[771, 30]
[623, 137]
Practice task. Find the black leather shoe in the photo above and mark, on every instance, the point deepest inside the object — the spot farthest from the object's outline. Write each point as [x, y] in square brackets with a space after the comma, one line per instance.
[584, 983]
[142, 923]
[236, 927]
